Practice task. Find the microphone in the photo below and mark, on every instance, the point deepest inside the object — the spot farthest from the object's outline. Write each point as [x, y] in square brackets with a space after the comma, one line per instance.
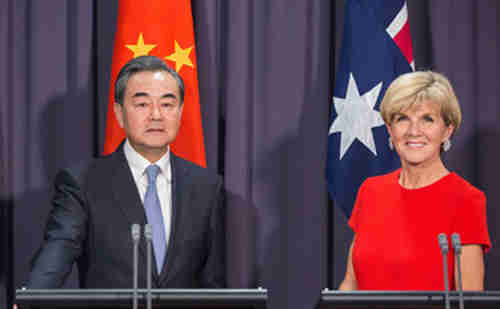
[136, 236]
[443, 244]
[457, 247]
[148, 234]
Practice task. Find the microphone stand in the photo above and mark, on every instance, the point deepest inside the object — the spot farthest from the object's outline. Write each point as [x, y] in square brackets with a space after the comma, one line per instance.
[443, 244]
[148, 234]
[457, 247]
[136, 235]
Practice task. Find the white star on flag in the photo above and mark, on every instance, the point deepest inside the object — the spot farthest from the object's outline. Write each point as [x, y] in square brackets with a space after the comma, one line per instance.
[356, 117]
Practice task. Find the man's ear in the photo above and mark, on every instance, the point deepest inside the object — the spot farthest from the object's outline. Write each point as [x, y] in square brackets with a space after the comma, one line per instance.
[118, 108]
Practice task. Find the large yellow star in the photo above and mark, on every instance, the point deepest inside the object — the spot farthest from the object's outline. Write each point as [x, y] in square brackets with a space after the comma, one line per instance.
[141, 49]
[180, 57]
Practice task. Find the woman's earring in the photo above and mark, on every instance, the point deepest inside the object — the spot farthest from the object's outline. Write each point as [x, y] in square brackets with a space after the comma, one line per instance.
[446, 144]
[391, 146]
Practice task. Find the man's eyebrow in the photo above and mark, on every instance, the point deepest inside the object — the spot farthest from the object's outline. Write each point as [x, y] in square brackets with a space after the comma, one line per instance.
[169, 95]
[144, 94]
[140, 94]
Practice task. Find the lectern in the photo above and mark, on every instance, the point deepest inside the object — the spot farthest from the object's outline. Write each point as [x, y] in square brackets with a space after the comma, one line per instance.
[406, 299]
[171, 298]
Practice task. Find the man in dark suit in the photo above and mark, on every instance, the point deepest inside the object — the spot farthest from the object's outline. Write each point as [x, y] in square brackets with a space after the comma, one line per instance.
[142, 182]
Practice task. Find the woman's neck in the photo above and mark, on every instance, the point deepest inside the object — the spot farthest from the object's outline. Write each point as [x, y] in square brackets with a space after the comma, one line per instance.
[417, 176]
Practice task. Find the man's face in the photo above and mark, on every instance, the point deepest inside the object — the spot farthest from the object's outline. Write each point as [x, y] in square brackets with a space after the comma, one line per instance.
[151, 112]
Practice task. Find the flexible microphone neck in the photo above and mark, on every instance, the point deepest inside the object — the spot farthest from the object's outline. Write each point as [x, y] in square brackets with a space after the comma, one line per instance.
[148, 234]
[136, 236]
[457, 247]
[443, 244]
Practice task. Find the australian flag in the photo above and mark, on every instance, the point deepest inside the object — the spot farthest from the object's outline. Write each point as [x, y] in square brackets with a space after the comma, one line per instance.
[376, 48]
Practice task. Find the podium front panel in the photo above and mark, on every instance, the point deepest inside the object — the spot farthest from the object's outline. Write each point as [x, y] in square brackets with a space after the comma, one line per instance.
[407, 299]
[171, 298]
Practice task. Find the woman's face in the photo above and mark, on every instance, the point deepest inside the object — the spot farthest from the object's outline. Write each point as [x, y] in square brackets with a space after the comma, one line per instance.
[417, 133]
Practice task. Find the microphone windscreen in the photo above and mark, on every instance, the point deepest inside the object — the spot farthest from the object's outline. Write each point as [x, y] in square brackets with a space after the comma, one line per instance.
[136, 232]
[455, 241]
[443, 242]
[148, 232]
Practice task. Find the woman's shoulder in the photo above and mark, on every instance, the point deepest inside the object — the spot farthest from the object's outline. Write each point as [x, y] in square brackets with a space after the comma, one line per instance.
[463, 188]
[384, 179]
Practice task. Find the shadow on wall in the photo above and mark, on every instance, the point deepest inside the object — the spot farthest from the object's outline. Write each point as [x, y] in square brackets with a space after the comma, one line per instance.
[66, 132]
[342, 240]
[487, 171]
[270, 191]
[241, 227]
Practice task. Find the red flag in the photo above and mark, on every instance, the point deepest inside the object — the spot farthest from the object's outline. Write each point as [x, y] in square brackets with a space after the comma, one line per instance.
[162, 28]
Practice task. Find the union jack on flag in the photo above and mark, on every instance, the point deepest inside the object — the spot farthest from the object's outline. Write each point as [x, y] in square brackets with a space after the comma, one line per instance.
[376, 48]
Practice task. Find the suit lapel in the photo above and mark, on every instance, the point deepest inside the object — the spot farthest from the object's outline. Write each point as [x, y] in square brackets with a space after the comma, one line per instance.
[127, 199]
[180, 192]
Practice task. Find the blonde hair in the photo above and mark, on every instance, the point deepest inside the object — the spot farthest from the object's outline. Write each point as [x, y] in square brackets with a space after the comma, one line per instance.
[415, 87]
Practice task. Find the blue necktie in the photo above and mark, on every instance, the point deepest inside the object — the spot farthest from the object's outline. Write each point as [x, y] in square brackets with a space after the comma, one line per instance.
[154, 216]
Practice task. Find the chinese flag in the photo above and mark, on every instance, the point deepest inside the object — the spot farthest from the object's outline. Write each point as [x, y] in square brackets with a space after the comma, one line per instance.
[162, 28]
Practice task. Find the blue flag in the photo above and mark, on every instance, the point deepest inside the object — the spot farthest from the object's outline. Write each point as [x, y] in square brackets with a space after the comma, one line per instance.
[376, 48]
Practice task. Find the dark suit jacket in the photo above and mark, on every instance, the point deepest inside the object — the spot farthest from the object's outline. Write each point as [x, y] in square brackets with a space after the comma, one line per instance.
[93, 208]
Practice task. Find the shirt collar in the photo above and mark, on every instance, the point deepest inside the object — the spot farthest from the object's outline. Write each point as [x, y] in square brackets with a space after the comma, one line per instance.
[139, 164]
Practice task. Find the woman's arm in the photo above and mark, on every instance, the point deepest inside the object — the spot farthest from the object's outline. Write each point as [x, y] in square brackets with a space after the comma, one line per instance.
[349, 283]
[472, 265]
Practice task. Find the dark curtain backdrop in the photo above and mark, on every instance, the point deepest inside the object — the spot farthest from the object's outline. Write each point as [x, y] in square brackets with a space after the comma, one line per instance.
[266, 69]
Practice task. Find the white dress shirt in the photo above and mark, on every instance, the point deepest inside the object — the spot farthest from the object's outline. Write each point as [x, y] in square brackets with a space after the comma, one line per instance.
[138, 165]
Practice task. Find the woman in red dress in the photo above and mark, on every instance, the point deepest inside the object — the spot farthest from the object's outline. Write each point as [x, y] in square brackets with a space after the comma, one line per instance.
[398, 216]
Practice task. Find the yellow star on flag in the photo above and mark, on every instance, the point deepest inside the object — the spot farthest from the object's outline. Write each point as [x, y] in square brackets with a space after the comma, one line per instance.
[180, 57]
[141, 49]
